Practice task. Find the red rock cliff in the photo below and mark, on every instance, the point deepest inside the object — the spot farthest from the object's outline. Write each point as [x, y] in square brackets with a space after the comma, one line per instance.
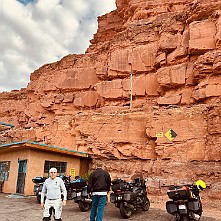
[173, 50]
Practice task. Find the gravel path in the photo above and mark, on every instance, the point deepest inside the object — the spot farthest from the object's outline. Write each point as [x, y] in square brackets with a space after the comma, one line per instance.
[27, 209]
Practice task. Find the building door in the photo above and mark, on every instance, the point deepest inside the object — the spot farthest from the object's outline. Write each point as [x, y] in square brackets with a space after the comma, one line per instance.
[84, 166]
[22, 164]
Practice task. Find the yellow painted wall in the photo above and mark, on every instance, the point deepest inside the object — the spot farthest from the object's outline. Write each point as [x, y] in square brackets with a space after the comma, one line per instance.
[10, 185]
[35, 166]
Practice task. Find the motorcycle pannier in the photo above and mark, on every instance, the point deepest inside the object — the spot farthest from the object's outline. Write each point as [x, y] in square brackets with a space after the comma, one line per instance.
[84, 191]
[74, 194]
[194, 206]
[38, 179]
[179, 192]
[129, 196]
[78, 184]
[117, 184]
[171, 207]
[112, 198]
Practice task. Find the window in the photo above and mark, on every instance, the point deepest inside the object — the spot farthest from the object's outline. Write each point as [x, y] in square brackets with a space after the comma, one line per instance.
[60, 166]
[4, 170]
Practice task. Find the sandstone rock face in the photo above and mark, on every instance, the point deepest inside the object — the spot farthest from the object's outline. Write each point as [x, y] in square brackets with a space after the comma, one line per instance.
[172, 50]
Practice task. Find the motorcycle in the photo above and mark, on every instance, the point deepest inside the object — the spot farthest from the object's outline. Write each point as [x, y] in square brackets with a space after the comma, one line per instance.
[67, 183]
[38, 181]
[80, 194]
[129, 196]
[185, 203]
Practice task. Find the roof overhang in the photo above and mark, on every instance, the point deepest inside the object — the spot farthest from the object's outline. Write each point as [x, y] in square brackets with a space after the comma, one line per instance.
[5, 126]
[39, 146]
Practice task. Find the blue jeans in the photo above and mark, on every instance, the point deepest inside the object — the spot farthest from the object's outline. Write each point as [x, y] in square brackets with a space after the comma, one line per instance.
[97, 209]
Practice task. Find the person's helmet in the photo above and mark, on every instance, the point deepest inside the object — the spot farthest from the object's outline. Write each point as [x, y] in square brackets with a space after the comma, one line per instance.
[201, 185]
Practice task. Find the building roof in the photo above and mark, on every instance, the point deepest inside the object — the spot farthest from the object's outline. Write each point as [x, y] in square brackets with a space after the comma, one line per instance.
[5, 126]
[40, 146]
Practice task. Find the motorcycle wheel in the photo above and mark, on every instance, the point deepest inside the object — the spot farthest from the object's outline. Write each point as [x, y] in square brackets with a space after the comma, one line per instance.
[69, 197]
[125, 212]
[84, 206]
[39, 198]
[146, 205]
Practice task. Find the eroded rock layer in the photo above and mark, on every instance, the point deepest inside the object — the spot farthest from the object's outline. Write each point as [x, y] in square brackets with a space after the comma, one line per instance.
[172, 49]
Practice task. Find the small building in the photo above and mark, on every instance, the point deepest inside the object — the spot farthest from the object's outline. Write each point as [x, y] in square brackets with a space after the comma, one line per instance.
[21, 161]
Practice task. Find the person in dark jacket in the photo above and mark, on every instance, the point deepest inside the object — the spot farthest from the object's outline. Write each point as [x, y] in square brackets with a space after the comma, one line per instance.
[98, 185]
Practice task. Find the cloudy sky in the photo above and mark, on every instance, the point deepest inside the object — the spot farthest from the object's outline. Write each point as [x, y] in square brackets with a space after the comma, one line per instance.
[37, 32]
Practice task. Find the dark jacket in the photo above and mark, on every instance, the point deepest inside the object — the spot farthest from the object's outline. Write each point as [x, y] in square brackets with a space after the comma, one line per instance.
[99, 181]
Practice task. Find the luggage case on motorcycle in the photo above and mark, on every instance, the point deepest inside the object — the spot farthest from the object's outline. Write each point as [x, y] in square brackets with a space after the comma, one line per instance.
[78, 183]
[171, 207]
[179, 192]
[117, 184]
[129, 196]
[195, 206]
[38, 179]
[84, 191]
[76, 195]
[112, 197]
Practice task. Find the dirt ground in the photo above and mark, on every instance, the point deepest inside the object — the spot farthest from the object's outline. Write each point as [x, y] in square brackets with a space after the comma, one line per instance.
[17, 208]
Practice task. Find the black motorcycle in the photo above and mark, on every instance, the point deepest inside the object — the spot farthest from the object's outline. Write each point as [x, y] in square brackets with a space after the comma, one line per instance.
[80, 194]
[67, 182]
[129, 196]
[185, 203]
[38, 181]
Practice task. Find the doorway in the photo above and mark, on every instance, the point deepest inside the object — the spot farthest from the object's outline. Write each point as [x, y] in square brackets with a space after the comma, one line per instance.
[22, 164]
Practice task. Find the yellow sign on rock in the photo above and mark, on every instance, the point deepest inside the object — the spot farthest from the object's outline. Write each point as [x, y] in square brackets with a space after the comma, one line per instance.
[72, 173]
[170, 134]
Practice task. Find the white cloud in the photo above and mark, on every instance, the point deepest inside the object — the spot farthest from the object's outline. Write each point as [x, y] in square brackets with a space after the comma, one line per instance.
[42, 32]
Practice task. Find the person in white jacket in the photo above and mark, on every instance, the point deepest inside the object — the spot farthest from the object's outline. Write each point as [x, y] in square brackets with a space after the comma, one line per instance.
[52, 190]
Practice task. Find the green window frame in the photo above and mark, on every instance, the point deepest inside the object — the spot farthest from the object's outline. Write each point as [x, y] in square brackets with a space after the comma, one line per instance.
[4, 170]
[60, 166]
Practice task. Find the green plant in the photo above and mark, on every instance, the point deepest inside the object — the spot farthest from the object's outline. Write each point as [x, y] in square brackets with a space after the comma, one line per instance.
[87, 175]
